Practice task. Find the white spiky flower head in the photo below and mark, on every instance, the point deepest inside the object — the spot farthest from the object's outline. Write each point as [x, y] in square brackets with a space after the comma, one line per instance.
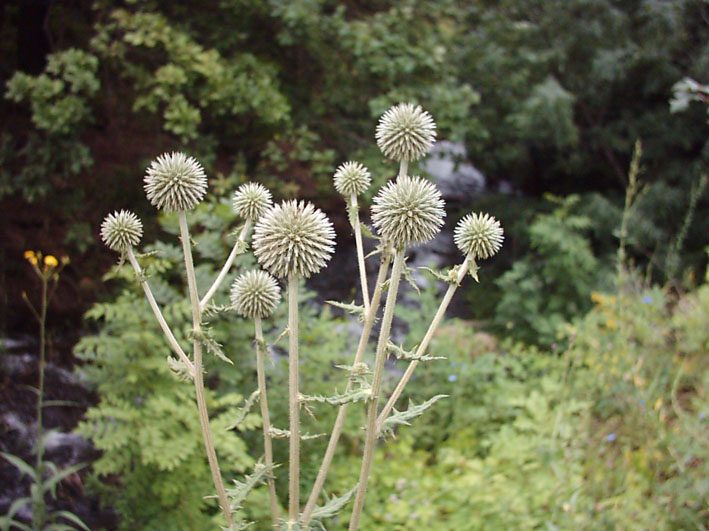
[293, 238]
[406, 132]
[121, 230]
[251, 200]
[351, 178]
[255, 294]
[479, 235]
[408, 211]
[175, 182]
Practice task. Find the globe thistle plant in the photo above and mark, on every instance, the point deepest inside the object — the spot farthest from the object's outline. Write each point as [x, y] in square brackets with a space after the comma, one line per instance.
[121, 230]
[408, 211]
[479, 235]
[352, 178]
[406, 132]
[293, 238]
[175, 182]
[251, 200]
[255, 294]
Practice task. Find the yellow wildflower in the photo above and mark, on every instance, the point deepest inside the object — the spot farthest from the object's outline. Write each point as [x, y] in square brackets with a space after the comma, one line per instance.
[50, 261]
[31, 257]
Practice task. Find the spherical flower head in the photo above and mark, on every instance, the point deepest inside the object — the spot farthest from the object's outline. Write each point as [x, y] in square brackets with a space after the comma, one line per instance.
[255, 294]
[352, 178]
[406, 132]
[175, 182]
[251, 200]
[408, 211]
[479, 235]
[121, 230]
[293, 238]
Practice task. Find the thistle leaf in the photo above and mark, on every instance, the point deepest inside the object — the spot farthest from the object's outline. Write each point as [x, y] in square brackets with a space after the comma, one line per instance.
[277, 433]
[367, 232]
[205, 337]
[241, 489]
[179, 368]
[402, 418]
[401, 354]
[243, 411]
[354, 309]
[410, 279]
[349, 397]
[449, 276]
[330, 509]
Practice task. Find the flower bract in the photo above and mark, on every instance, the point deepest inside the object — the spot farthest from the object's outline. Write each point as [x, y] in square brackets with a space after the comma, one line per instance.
[175, 182]
[121, 230]
[479, 235]
[251, 200]
[406, 132]
[255, 294]
[293, 238]
[351, 178]
[408, 211]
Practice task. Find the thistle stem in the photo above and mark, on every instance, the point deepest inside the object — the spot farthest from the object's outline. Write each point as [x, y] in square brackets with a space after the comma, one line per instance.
[265, 417]
[360, 251]
[293, 402]
[198, 376]
[342, 413]
[227, 265]
[421, 350]
[158, 314]
[371, 439]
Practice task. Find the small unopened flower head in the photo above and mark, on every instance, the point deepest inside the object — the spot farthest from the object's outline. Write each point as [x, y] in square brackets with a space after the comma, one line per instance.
[121, 230]
[293, 238]
[352, 178]
[255, 294]
[479, 235]
[406, 132]
[408, 211]
[175, 182]
[251, 200]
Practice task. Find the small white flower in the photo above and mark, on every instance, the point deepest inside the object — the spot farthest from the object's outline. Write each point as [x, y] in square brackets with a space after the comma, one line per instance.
[293, 238]
[479, 235]
[406, 132]
[408, 211]
[121, 230]
[175, 182]
[351, 178]
[251, 200]
[255, 294]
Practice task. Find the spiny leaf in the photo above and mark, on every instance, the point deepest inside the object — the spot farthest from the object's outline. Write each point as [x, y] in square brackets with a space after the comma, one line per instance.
[473, 271]
[352, 214]
[401, 354]
[450, 276]
[277, 433]
[243, 411]
[241, 490]
[410, 279]
[179, 368]
[367, 232]
[205, 337]
[331, 508]
[402, 418]
[349, 397]
[354, 309]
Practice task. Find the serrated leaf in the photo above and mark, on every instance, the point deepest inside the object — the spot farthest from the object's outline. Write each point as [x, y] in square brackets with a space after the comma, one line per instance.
[402, 418]
[241, 489]
[401, 354]
[354, 309]
[210, 343]
[180, 368]
[277, 433]
[244, 410]
[450, 276]
[330, 509]
[348, 397]
[367, 232]
[406, 272]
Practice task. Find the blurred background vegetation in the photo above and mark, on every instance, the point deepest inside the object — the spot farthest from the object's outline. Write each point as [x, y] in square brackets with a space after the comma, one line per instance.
[578, 376]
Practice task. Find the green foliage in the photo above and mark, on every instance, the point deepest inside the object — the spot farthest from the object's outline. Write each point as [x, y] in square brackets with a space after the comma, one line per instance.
[553, 283]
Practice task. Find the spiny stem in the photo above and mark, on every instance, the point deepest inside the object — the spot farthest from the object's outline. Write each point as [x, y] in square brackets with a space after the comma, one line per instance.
[360, 251]
[293, 403]
[371, 440]
[342, 413]
[265, 417]
[421, 350]
[198, 376]
[227, 265]
[158, 314]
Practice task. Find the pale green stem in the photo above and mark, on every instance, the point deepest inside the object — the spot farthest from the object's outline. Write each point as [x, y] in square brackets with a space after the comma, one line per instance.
[360, 251]
[39, 508]
[158, 314]
[381, 355]
[198, 376]
[342, 413]
[265, 417]
[293, 402]
[421, 350]
[227, 265]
